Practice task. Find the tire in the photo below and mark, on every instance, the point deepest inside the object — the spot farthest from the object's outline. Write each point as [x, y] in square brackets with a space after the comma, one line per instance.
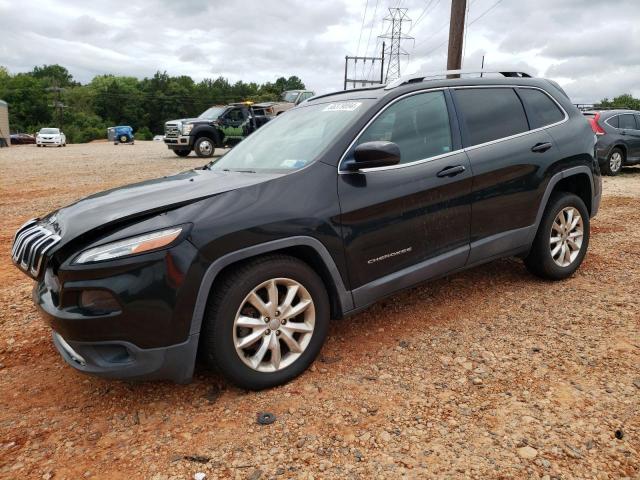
[38, 146]
[614, 162]
[123, 139]
[204, 147]
[182, 153]
[541, 260]
[229, 298]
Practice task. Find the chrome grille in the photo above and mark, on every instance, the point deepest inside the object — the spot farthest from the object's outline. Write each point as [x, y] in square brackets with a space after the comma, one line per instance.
[30, 244]
[171, 130]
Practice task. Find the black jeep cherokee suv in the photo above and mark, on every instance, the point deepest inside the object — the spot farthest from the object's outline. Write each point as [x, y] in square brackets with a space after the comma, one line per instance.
[347, 198]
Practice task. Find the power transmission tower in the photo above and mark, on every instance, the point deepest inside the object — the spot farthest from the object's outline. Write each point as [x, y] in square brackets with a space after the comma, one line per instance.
[397, 16]
[363, 82]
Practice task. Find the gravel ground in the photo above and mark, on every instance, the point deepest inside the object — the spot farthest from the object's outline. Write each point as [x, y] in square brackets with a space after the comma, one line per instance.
[491, 373]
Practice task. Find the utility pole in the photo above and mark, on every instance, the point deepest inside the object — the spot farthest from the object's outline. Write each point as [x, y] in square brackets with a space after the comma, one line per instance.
[397, 16]
[456, 35]
[57, 103]
[363, 82]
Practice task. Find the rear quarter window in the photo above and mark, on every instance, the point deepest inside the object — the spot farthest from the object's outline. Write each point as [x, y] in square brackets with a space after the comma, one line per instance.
[490, 114]
[541, 108]
[613, 121]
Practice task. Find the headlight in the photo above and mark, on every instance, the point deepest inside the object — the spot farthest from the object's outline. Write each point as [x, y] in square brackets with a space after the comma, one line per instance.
[130, 246]
[186, 129]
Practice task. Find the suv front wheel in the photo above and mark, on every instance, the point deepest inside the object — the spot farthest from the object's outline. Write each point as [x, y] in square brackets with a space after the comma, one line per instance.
[562, 238]
[266, 322]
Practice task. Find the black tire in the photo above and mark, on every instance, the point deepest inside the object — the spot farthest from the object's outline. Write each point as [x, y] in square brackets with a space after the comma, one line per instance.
[38, 145]
[182, 153]
[610, 170]
[227, 296]
[204, 147]
[540, 261]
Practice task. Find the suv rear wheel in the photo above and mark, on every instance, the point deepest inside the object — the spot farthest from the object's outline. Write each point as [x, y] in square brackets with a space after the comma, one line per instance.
[204, 147]
[266, 322]
[614, 162]
[562, 238]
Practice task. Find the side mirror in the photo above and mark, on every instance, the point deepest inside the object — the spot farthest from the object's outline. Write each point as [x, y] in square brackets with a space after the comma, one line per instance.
[374, 154]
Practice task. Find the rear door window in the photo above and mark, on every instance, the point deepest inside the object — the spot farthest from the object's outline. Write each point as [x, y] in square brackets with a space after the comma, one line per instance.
[490, 114]
[542, 110]
[627, 122]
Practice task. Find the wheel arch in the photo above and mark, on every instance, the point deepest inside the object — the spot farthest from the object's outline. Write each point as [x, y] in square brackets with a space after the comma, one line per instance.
[208, 132]
[578, 180]
[622, 147]
[307, 249]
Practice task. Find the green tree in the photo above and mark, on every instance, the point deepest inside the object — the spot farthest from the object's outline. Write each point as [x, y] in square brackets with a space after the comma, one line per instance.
[622, 101]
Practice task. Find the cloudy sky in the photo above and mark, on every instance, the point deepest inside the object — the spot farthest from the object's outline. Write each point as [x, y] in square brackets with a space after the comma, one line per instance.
[592, 47]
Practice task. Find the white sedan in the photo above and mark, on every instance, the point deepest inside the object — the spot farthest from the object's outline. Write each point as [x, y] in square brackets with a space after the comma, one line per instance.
[51, 136]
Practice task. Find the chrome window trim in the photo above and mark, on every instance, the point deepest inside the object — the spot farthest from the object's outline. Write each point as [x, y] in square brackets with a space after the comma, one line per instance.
[464, 149]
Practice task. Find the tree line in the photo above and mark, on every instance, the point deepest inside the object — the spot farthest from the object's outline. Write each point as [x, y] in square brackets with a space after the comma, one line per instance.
[49, 96]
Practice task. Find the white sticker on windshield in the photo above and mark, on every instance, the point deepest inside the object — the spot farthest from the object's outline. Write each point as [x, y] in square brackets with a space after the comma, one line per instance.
[342, 107]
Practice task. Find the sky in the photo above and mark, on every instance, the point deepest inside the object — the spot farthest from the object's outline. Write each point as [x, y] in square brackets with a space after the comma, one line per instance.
[591, 47]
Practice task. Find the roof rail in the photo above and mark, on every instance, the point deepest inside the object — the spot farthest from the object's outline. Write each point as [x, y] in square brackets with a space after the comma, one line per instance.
[420, 77]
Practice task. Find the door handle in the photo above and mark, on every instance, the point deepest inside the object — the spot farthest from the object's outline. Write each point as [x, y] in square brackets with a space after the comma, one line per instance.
[451, 171]
[541, 147]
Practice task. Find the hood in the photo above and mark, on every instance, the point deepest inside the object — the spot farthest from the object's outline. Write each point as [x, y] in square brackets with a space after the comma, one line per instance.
[153, 196]
[182, 120]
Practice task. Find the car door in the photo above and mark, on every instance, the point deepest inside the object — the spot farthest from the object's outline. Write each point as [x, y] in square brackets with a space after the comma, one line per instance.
[407, 222]
[232, 122]
[508, 160]
[630, 132]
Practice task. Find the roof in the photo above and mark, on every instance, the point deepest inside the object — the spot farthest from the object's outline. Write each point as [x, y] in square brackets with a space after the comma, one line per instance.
[3, 103]
[593, 111]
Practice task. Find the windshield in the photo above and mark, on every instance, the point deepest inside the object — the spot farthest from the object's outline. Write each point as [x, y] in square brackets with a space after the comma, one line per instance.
[290, 96]
[293, 140]
[212, 113]
[49, 131]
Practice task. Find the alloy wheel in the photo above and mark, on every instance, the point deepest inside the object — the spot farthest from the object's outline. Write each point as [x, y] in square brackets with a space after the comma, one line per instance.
[567, 232]
[274, 325]
[615, 162]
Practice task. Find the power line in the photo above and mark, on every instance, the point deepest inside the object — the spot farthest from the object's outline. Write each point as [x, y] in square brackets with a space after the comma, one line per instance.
[364, 16]
[422, 14]
[366, 50]
[468, 25]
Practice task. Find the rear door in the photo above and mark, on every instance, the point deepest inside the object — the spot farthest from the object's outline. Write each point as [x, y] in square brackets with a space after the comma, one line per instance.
[631, 134]
[508, 159]
[394, 218]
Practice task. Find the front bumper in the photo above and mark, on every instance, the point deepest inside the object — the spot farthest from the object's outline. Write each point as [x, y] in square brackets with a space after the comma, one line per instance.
[49, 142]
[125, 361]
[147, 336]
[180, 142]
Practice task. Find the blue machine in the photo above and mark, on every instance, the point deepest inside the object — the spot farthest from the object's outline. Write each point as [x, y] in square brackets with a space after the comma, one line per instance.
[120, 134]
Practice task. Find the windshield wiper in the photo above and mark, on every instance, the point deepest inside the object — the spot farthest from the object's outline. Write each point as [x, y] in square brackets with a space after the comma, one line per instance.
[238, 170]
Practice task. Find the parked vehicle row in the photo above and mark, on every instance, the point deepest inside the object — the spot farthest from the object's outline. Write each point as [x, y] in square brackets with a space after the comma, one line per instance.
[348, 198]
[618, 133]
